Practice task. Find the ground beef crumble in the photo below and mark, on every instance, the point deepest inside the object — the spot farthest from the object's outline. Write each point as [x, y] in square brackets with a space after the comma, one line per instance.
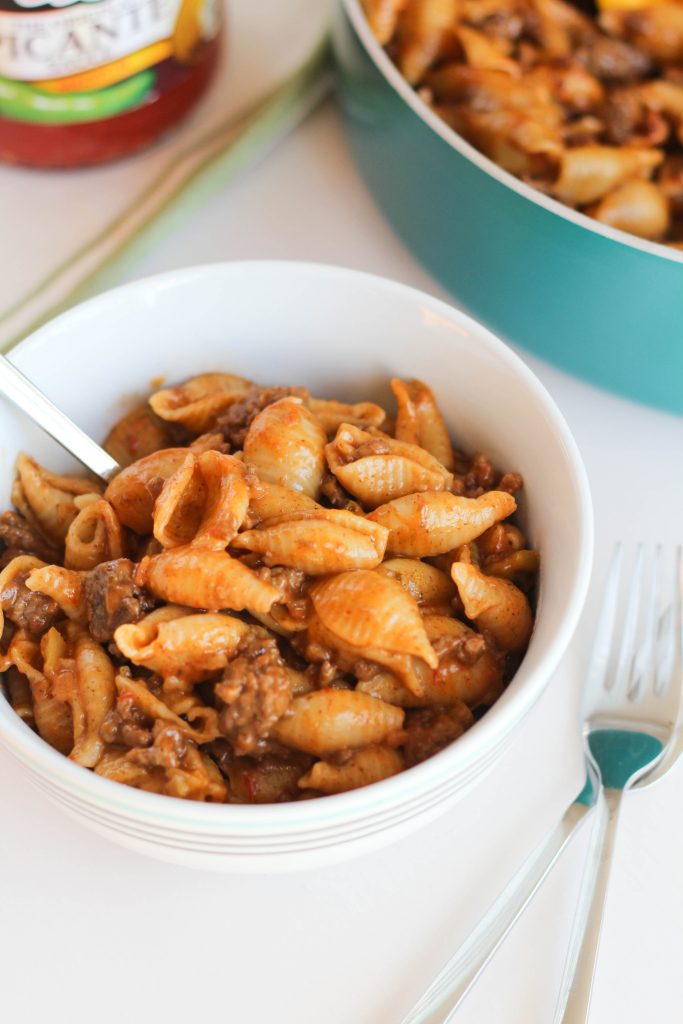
[473, 477]
[19, 537]
[113, 598]
[429, 730]
[126, 725]
[270, 778]
[256, 691]
[168, 748]
[465, 649]
[337, 496]
[510, 482]
[292, 586]
[29, 610]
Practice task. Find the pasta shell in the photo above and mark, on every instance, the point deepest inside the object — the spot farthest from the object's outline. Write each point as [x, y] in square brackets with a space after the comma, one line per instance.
[196, 403]
[286, 445]
[501, 539]
[180, 697]
[518, 566]
[19, 694]
[213, 441]
[96, 697]
[388, 687]
[203, 503]
[301, 683]
[137, 434]
[205, 579]
[325, 721]
[332, 414]
[458, 678]
[49, 498]
[496, 605]
[52, 715]
[278, 620]
[462, 673]
[435, 522]
[466, 553]
[173, 643]
[383, 17]
[364, 615]
[320, 542]
[94, 536]
[371, 764]
[423, 35]
[268, 501]
[662, 95]
[65, 586]
[557, 25]
[431, 588]
[197, 777]
[117, 767]
[134, 490]
[418, 420]
[482, 52]
[377, 469]
[202, 718]
[588, 173]
[179, 506]
[227, 500]
[365, 609]
[155, 708]
[639, 207]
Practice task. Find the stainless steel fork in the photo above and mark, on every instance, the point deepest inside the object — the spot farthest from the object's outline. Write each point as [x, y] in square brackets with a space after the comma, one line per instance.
[633, 702]
[631, 709]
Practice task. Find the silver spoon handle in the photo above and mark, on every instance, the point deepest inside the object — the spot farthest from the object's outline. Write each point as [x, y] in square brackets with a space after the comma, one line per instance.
[28, 399]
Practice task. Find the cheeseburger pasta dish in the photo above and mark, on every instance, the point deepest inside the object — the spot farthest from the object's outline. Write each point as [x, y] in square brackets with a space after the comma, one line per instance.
[278, 597]
[583, 102]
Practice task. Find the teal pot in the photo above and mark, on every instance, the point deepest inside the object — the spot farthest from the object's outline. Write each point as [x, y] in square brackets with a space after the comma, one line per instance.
[597, 302]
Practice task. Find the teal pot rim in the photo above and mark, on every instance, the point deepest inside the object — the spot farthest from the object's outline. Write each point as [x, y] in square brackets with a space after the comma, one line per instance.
[393, 76]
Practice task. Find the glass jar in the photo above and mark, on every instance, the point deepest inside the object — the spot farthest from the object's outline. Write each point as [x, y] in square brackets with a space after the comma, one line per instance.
[85, 81]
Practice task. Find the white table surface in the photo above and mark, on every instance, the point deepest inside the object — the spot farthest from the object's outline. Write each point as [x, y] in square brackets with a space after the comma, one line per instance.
[90, 932]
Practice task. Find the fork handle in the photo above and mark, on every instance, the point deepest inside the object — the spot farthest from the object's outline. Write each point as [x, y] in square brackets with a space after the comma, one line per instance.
[573, 1004]
[440, 1001]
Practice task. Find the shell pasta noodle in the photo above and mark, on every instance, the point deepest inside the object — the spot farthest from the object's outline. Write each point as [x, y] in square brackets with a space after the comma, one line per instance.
[281, 597]
[584, 103]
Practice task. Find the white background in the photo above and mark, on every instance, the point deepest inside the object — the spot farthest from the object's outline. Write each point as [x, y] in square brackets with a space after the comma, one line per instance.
[91, 932]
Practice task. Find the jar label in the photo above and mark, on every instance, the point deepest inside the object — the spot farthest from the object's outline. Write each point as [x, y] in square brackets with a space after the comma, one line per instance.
[55, 43]
[79, 60]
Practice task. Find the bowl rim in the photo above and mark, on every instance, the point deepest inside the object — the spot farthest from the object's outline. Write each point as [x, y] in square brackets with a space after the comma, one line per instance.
[396, 80]
[491, 731]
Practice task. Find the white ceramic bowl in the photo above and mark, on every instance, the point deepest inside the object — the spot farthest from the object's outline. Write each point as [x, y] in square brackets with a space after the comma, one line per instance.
[342, 334]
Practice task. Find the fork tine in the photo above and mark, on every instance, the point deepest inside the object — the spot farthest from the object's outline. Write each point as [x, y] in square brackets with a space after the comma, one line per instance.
[643, 664]
[627, 647]
[669, 634]
[604, 632]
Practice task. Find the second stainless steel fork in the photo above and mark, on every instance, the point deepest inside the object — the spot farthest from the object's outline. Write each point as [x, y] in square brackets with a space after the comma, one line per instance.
[631, 708]
[633, 700]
